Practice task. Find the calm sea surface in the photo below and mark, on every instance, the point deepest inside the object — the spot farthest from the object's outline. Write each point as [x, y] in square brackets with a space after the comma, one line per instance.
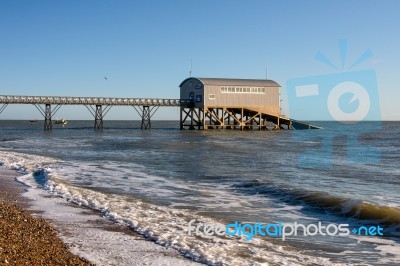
[157, 181]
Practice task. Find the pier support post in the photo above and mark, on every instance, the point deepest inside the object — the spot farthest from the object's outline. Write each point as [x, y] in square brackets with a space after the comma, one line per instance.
[47, 118]
[47, 114]
[192, 118]
[98, 118]
[180, 118]
[146, 116]
[146, 113]
[241, 119]
[98, 113]
[203, 118]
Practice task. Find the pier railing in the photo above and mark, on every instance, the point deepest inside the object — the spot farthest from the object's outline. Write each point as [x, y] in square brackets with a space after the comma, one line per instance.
[6, 99]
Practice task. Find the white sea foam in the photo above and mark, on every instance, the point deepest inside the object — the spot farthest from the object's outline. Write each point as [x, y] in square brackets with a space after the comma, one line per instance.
[24, 163]
[166, 226]
[91, 241]
[388, 247]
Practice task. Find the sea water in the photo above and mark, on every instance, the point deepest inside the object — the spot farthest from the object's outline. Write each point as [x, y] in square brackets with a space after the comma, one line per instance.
[155, 182]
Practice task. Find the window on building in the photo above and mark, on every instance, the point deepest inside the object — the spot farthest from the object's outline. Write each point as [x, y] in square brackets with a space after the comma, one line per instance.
[211, 96]
[199, 98]
[252, 90]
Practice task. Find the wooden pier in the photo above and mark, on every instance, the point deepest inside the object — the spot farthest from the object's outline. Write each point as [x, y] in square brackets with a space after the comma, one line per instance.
[97, 106]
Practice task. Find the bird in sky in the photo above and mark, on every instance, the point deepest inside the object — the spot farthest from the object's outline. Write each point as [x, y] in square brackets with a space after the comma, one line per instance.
[105, 78]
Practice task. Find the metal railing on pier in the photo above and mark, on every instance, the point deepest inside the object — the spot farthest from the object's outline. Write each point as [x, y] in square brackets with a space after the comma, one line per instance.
[8, 99]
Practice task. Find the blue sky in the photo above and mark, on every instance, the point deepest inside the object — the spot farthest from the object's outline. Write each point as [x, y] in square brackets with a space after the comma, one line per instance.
[144, 48]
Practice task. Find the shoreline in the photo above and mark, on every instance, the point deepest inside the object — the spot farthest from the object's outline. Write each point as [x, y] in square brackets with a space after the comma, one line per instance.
[24, 238]
[83, 232]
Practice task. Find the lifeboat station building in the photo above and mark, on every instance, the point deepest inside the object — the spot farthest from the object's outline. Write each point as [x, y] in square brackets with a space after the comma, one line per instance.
[218, 103]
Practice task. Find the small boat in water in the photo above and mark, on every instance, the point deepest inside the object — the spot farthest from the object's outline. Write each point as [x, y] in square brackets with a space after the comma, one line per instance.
[33, 121]
[61, 122]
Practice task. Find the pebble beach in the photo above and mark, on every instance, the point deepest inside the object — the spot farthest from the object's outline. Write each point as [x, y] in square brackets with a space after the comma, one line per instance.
[24, 239]
[43, 232]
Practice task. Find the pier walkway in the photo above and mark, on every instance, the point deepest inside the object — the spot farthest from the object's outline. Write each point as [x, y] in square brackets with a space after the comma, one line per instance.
[98, 106]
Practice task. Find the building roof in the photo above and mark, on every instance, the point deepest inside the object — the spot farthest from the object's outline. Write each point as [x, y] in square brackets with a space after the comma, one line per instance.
[236, 82]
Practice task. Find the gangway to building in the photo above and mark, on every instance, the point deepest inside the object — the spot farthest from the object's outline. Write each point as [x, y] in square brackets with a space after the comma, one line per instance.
[236, 118]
